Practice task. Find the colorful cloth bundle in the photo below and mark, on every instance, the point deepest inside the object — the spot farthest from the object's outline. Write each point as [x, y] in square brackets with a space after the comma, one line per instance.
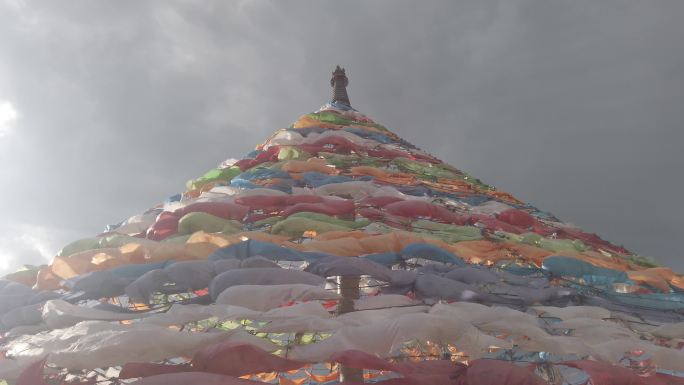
[244, 278]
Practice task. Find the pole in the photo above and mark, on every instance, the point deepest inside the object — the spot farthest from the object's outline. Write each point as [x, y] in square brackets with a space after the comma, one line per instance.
[348, 288]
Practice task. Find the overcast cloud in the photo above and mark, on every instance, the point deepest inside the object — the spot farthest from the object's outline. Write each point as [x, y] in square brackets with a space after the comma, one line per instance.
[107, 108]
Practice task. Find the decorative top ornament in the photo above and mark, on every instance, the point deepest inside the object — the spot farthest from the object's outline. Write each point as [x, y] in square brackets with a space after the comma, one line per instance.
[339, 82]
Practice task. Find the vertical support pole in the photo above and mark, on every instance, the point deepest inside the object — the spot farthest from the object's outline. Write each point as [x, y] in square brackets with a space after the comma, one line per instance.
[348, 288]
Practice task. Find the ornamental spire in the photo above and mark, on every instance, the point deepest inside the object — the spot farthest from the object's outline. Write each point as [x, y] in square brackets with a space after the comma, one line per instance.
[339, 84]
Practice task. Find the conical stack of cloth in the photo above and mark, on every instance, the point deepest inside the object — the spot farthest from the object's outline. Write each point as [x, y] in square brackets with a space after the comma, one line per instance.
[237, 281]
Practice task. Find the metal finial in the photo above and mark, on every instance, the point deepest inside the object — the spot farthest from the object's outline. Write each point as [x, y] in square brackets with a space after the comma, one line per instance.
[339, 82]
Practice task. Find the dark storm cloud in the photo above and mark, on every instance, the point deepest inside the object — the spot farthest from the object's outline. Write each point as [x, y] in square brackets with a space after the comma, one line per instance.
[572, 106]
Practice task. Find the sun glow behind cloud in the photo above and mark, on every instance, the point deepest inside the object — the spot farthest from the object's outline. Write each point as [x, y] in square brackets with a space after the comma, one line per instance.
[8, 116]
[23, 244]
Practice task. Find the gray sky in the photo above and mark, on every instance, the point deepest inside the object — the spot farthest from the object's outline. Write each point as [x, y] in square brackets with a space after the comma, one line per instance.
[107, 108]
